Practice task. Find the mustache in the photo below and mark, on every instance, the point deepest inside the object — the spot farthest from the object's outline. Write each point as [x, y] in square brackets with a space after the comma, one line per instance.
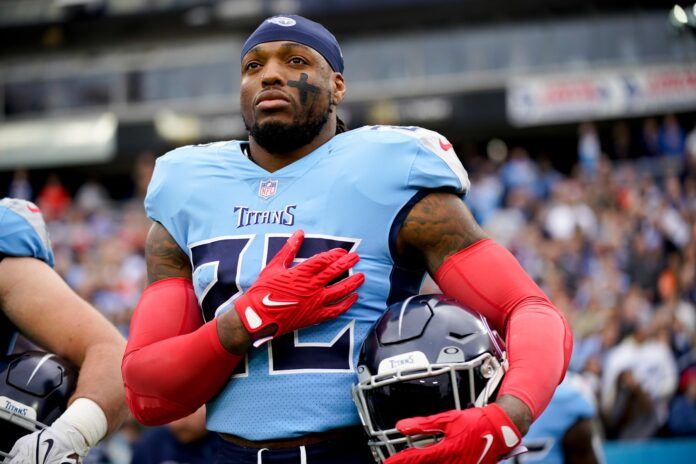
[271, 94]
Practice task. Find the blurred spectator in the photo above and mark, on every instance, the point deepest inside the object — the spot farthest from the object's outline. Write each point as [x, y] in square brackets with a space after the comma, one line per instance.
[650, 145]
[682, 418]
[92, 196]
[690, 146]
[589, 149]
[673, 225]
[622, 147]
[53, 199]
[687, 273]
[486, 192]
[595, 347]
[640, 370]
[671, 138]
[505, 223]
[631, 416]
[548, 177]
[569, 213]
[144, 166]
[118, 449]
[20, 186]
[635, 312]
[182, 441]
[519, 171]
[674, 307]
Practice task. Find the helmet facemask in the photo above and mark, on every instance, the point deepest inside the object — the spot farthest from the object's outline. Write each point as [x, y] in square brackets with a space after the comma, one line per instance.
[439, 388]
[14, 425]
[34, 391]
[453, 361]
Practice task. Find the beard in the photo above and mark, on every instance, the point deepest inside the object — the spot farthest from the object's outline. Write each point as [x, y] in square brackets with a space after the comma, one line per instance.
[278, 138]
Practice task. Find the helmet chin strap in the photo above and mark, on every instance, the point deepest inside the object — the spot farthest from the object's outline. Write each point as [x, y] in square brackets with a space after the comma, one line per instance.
[492, 384]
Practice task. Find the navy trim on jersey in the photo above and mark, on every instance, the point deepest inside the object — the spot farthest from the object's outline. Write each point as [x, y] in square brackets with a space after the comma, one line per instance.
[351, 449]
[399, 221]
[404, 282]
[406, 276]
[8, 332]
[8, 335]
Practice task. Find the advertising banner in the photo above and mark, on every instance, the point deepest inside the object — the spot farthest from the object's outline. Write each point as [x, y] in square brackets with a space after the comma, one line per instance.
[577, 97]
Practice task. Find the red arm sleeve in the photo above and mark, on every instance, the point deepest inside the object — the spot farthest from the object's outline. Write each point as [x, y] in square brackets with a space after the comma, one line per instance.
[173, 362]
[487, 278]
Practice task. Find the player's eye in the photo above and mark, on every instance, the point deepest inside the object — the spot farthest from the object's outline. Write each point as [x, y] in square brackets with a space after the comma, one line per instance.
[298, 60]
[250, 66]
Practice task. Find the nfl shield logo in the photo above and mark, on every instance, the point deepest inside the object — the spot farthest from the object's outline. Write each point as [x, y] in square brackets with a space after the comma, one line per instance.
[268, 188]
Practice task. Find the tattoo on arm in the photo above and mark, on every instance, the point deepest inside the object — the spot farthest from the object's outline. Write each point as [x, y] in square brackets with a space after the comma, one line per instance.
[164, 257]
[437, 227]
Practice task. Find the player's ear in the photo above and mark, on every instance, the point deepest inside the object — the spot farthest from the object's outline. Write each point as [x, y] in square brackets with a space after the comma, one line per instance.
[339, 88]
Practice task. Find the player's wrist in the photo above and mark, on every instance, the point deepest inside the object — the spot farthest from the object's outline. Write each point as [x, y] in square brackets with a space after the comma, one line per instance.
[516, 411]
[254, 319]
[233, 334]
[87, 421]
[248, 315]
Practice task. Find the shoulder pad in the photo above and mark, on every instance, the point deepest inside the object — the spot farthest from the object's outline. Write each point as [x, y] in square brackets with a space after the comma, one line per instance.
[30, 213]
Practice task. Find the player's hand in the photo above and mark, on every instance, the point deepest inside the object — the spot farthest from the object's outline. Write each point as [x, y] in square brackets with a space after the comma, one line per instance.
[290, 298]
[60, 443]
[471, 436]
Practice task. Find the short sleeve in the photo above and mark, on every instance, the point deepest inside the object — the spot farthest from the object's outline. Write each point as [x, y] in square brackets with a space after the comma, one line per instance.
[168, 192]
[23, 232]
[436, 165]
[426, 158]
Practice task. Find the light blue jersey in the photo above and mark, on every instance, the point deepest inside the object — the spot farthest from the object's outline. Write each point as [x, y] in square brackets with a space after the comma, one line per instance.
[231, 217]
[23, 233]
[545, 437]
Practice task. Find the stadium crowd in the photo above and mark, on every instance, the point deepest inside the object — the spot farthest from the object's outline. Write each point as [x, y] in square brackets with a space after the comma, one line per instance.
[613, 243]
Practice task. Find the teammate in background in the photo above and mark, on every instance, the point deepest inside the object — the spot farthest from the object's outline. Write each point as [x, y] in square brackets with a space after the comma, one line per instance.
[271, 347]
[36, 302]
[566, 433]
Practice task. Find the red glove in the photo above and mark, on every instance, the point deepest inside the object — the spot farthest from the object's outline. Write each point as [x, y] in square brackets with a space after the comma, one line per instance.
[292, 298]
[472, 436]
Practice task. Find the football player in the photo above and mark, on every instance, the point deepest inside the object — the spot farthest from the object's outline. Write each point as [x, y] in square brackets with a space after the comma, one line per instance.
[36, 302]
[258, 300]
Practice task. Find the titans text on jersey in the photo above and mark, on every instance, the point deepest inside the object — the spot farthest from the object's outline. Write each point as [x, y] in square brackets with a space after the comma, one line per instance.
[231, 217]
[247, 217]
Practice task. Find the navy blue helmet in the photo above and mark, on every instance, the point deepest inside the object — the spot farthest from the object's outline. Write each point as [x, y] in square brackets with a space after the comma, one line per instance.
[425, 355]
[34, 391]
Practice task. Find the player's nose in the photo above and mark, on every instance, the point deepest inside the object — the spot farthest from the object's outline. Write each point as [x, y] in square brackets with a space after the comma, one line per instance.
[272, 73]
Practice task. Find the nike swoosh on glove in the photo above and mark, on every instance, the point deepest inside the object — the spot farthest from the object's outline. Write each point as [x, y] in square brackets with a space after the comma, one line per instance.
[300, 296]
[60, 443]
[471, 436]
